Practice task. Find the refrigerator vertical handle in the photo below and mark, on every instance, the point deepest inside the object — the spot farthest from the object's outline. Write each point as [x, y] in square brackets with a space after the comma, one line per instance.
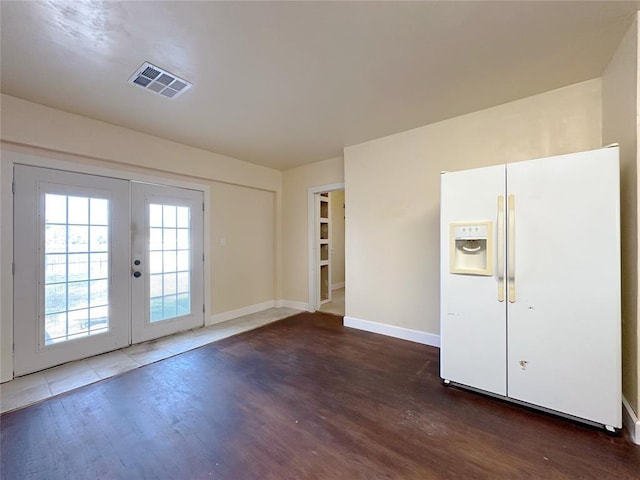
[511, 248]
[501, 248]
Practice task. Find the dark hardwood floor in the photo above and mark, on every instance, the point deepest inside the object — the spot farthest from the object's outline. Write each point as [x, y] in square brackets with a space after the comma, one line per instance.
[303, 398]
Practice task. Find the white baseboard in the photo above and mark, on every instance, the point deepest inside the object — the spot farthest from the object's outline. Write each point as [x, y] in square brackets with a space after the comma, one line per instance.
[231, 314]
[393, 331]
[631, 421]
[295, 305]
[337, 286]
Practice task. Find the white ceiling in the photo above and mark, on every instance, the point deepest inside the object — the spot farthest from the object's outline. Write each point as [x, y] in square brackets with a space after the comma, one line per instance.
[282, 84]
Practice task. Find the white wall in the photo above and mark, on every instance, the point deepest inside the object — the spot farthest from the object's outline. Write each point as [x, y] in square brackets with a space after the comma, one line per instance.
[245, 198]
[392, 194]
[620, 124]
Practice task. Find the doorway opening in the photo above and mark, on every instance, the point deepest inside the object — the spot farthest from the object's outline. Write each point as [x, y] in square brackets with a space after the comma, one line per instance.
[327, 249]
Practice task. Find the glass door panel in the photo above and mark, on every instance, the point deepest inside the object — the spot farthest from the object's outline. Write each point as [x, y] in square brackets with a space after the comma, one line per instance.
[71, 244]
[168, 248]
[169, 266]
[76, 280]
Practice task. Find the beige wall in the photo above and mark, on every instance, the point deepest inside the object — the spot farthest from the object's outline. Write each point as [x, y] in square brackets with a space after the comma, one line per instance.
[29, 123]
[620, 110]
[246, 212]
[243, 245]
[295, 185]
[392, 194]
[336, 200]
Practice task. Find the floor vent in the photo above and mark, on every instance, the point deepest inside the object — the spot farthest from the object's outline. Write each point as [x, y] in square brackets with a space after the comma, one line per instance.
[159, 81]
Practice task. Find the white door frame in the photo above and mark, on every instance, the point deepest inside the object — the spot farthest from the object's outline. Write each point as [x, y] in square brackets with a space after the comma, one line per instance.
[11, 158]
[312, 258]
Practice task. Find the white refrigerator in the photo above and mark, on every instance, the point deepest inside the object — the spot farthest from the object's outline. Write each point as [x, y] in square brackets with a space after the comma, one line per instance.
[530, 283]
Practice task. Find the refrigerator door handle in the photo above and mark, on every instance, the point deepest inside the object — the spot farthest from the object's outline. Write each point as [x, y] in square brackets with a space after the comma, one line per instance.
[501, 248]
[511, 249]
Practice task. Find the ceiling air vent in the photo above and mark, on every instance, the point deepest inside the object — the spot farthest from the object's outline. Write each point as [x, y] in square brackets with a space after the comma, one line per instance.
[159, 81]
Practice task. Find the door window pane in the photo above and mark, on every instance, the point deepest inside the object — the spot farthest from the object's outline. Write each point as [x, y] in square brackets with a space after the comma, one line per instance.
[55, 269]
[169, 239]
[56, 209]
[183, 238]
[55, 238]
[183, 282]
[99, 266]
[155, 283]
[78, 295]
[168, 216]
[99, 211]
[99, 239]
[98, 291]
[155, 262]
[155, 216]
[169, 307]
[55, 298]
[184, 304]
[182, 214]
[169, 262]
[76, 267]
[169, 283]
[183, 260]
[78, 210]
[169, 254]
[78, 238]
[155, 239]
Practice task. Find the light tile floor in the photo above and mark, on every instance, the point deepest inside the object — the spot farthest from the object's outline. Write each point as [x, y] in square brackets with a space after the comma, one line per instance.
[336, 305]
[29, 389]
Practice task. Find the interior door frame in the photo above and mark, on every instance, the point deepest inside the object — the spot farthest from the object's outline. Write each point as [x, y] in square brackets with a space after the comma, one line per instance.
[70, 163]
[312, 257]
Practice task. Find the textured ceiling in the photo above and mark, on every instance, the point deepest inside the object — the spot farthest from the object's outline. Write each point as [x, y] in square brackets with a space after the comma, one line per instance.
[282, 84]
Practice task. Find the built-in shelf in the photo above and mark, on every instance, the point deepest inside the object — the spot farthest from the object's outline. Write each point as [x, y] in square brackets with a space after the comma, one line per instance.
[324, 252]
[324, 283]
[324, 230]
[324, 247]
[324, 209]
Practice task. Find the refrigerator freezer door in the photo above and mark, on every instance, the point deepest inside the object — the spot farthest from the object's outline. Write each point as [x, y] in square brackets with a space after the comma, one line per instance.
[564, 327]
[473, 324]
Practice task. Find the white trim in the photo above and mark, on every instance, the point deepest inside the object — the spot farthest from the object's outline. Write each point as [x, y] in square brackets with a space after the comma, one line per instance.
[631, 421]
[6, 274]
[295, 305]
[337, 286]
[311, 240]
[240, 312]
[258, 307]
[393, 331]
[78, 167]
[9, 159]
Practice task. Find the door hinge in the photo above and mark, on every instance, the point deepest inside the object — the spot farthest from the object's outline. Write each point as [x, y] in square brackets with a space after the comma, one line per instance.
[203, 206]
[13, 187]
[13, 268]
[203, 257]
[203, 308]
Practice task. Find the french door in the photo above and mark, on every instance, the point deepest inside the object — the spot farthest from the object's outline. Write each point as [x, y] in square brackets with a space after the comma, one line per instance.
[167, 260]
[79, 288]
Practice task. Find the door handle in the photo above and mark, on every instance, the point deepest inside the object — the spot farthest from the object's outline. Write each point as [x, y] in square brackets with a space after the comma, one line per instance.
[511, 248]
[501, 248]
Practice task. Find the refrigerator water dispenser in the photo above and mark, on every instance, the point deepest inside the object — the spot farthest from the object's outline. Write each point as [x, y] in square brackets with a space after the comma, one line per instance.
[471, 248]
